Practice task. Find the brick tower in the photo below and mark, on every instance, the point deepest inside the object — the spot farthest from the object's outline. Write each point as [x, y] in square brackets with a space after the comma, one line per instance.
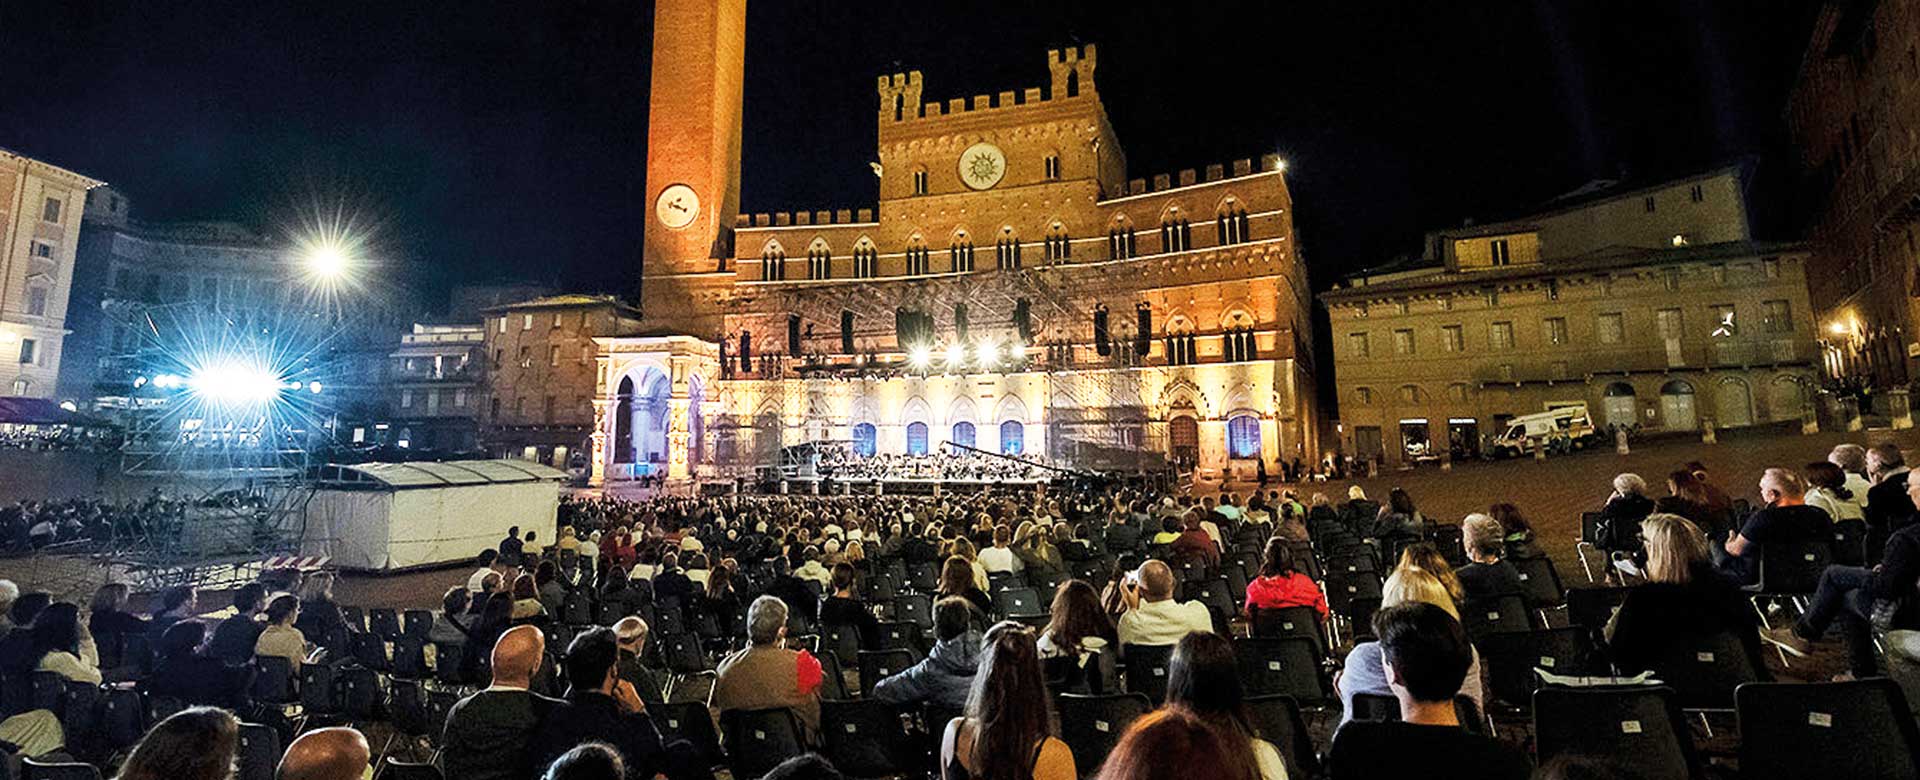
[693, 155]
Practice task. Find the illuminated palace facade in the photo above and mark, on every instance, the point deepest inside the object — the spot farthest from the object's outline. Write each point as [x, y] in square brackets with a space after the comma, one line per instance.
[1012, 290]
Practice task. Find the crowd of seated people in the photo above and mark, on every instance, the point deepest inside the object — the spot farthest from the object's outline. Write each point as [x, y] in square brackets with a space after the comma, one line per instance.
[991, 622]
[57, 439]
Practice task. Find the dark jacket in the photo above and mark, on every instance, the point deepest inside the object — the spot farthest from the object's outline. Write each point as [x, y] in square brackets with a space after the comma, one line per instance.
[1654, 616]
[196, 680]
[1620, 521]
[793, 591]
[944, 677]
[1898, 574]
[592, 716]
[490, 735]
[233, 640]
[1887, 502]
[1123, 537]
[1489, 580]
[836, 611]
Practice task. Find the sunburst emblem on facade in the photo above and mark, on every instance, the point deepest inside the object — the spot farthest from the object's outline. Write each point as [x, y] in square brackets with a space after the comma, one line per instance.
[982, 165]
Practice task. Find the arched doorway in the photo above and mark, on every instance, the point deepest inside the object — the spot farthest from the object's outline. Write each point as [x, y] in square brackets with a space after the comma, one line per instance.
[649, 421]
[1183, 439]
[1786, 398]
[623, 422]
[1733, 404]
[1676, 406]
[1621, 408]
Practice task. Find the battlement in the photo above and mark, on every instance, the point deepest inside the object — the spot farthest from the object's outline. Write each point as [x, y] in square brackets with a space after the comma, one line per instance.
[1214, 173]
[803, 218]
[1070, 69]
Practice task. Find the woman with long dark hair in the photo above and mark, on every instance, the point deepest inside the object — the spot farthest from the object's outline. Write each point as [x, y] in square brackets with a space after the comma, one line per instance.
[1204, 680]
[956, 579]
[1007, 732]
[495, 618]
[1280, 585]
[1520, 543]
[62, 645]
[1079, 627]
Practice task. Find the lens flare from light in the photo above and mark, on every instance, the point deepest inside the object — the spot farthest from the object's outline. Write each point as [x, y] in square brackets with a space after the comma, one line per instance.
[956, 356]
[988, 353]
[921, 357]
[234, 383]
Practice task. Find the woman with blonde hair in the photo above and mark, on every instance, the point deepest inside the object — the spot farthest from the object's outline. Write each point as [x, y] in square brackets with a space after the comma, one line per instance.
[1365, 670]
[1425, 556]
[1684, 600]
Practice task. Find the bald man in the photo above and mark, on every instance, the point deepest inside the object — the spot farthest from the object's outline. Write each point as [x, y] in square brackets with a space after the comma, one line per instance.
[489, 735]
[1152, 616]
[338, 753]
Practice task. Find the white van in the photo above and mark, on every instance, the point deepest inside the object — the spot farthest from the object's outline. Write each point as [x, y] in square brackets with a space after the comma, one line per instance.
[1566, 427]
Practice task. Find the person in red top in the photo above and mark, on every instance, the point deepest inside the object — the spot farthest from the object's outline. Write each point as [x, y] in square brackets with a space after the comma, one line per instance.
[1194, 544]
[1280, 586]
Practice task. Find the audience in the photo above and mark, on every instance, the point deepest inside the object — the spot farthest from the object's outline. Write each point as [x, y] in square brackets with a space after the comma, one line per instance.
[236, 637]
[1077, 626]
[1620, 518]
[945, 676]
[1487, 574]
[1520, 541]
[336, 753]
[62, 645]
[1008, 730]
[601, 707]
[490, 734]
[1849, 594]
[1280, 585]
[1203, 680]
[279, 638]
[1888, 506]
[1152, 616]
[180, 671]
[1365, 670]
[766, 674]
[1683, 600]
[957, 581]
[192, 744]
[844, 609]
[1194, 544]
[1786, 519]
[1176, 744]
[1426, 656]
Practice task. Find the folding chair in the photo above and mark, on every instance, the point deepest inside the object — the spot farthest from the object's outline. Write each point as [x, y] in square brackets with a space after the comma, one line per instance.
[1147, 667]
[1277, 719]
[1448, 540]
[1850, 543]
[1303, 622]
[355, 618]
[80, 719]
[258, 754]
[1289, 666]
[901, 635]
[758, 740]
[1343, 589]
[1705, 671]
[866, 739]
[1591, 608]
[1590, 540]
[1788, 573]
[384, 623]
[834, 682]
[690, 721]
[1017, 601]
[684, 659]
[924, 577]
[1540, 585]
[1511, 656]
[1500, 613]
[1092, 725]
[1861, 728]
[123, 720]
[877, 665]
[418, 623]
[916, 608]
[57, 770]
[842, 640]
[1215, 595]
[1637, 729]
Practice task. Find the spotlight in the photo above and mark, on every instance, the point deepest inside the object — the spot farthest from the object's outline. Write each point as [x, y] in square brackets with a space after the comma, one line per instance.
[327, 260]
[313, 387]
[920, 357]
[1837, 329]
[168, 381]
[956, 356]
[139, 381]
[988, 353]
[234, 383]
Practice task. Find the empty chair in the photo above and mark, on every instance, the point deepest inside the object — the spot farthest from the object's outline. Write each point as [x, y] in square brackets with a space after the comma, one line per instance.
[1092, 725]
[1289, 666]
[1277, 719]
[1500, 613]
[1861, 728]
[1789, 572]
[1705, 671]
[1637, 729]
[901, 635]
[410, 658]
[1214, 593]
[1017, 601]
[864, 738]
[877, 665]
[758, 740]
[123, 718]
[684, 659]
[916, 608]
[691, 721]
[1303, 622]
[370, 651]
[1539, 583]
[833, 684]
[1511, 656]
[384, 623]
[842, 640]
[418, 623]
[439, 705]
[273, 682]
[1146, 667]
[258, 752]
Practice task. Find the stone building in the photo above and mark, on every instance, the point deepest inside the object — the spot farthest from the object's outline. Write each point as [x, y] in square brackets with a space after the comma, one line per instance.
[1853, 114]
[434, 386]
[542, 367]
[1653, 306]
[1012, 289]
[40, 208]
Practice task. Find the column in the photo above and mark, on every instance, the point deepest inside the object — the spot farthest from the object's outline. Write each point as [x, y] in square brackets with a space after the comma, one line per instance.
[602, 454]
[1899, 408]
[677, 407]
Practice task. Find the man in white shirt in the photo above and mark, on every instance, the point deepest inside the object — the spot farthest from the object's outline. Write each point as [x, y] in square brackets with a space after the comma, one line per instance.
[999, 557]
[479, 575]
[1152, 616]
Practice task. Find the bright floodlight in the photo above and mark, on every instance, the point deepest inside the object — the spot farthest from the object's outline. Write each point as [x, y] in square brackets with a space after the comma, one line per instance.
[921, 357]
[1837, 329]
[989, 354]
[234, 383]
[327, 260]
[956, 355]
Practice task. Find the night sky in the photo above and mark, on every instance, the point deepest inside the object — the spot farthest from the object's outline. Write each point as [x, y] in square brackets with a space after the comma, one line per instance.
[497, 139]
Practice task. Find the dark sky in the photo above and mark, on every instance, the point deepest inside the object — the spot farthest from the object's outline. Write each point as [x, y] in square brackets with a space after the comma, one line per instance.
[492, 139]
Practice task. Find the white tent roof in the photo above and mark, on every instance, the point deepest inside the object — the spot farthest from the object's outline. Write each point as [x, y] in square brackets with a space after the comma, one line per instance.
[396, 476]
